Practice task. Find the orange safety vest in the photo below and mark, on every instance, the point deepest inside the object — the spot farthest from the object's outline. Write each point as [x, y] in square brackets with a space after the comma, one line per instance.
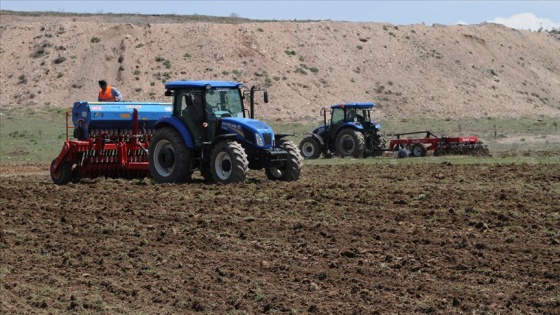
[108, 95]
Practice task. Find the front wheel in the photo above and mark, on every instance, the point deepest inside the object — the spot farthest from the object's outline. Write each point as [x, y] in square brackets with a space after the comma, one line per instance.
[290, 170]
[229, 162]
[310, 148]
[169, 158]
[350, 142]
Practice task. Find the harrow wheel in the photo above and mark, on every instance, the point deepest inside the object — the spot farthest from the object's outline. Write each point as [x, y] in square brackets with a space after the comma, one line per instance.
[310, 148]
[350, 142]
[402, 153]
[169, 158]
[290, 170]
[229, 162]
[64, 173]
[418, 150]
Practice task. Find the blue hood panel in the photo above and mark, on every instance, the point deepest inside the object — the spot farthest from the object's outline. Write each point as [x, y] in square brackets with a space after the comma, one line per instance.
[248, 128]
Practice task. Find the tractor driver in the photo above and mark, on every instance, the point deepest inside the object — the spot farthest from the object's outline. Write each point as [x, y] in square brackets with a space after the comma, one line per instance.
[108, 93]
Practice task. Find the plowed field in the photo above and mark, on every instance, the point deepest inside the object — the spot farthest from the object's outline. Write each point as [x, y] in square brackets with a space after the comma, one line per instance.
[356, 238]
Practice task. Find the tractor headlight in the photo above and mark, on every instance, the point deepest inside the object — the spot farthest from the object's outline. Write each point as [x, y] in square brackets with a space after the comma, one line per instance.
[259, 139]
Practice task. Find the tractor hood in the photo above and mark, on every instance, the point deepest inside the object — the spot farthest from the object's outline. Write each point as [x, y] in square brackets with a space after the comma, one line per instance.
[254, 131]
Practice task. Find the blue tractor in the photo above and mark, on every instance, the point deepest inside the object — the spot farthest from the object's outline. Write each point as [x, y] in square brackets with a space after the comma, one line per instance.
[350, 132]
[211, 130]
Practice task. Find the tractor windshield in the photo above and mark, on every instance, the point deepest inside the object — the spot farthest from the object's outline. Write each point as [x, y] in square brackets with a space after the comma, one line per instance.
[225, 102]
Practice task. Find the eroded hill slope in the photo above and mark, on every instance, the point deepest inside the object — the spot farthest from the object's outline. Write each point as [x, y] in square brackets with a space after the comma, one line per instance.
[482, 70]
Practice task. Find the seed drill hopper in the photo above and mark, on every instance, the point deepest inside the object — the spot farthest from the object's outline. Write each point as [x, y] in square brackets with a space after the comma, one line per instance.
[110, 139]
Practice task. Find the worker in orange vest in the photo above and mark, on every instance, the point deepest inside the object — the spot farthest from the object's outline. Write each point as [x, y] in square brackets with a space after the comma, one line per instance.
[108, 93]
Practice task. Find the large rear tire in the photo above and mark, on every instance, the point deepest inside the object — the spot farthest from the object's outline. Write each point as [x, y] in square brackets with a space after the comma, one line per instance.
[64, 173]
[289, 170]
[229, 162]
[169, 158]
[310, 148]
[350, 142]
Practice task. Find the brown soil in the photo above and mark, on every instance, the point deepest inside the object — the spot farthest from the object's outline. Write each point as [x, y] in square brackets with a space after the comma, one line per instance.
[359, 238]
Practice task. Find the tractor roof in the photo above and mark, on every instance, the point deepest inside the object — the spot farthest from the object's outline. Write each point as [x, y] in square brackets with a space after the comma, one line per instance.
[362, 105]
[173, 85]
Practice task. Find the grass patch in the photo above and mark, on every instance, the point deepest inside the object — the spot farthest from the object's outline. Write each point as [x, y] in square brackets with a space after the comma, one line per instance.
[36, 135]
[31, 135]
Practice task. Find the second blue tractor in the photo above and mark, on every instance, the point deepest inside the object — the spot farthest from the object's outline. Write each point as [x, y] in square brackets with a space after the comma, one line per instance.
[350, 131]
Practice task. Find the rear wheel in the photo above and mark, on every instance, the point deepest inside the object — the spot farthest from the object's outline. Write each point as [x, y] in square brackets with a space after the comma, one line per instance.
[229, 162]
[350, 142]
[64, 173]
[310, 148]
[290, 170]
[418, 150]
[169, 158]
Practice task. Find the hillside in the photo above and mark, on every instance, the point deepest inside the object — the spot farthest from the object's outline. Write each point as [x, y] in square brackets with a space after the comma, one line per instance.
[484, 70]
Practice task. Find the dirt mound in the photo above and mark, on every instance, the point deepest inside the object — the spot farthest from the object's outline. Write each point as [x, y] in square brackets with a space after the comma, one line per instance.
[482, 70]
[424, 238]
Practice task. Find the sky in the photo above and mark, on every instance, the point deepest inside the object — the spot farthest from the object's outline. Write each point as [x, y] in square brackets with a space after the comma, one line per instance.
[530, 15]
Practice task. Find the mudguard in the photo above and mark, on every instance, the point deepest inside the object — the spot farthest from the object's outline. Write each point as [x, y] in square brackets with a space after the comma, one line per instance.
[179, 126]
[316, 137]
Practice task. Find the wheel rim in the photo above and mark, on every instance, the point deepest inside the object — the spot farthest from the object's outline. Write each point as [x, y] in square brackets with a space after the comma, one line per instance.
[347, 144]
[308, 149]
[275, 171]
[223, 165]
[417, 151]
[164, 158]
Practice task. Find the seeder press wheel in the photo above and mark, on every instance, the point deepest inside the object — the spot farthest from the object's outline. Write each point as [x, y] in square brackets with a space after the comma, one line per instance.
[64, 173]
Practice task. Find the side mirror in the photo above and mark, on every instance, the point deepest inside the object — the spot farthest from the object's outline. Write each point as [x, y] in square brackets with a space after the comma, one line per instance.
[168, 93]
[266, 96]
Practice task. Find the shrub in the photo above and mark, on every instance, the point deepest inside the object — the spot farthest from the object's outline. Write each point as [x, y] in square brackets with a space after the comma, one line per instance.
[39, 52]
[290, 52]
[59, 59]
[95, 39]
[22, 79]
[301, 71]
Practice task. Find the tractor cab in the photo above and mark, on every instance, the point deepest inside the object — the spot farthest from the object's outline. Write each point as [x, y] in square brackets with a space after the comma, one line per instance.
[199, 105]
[357, 114]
